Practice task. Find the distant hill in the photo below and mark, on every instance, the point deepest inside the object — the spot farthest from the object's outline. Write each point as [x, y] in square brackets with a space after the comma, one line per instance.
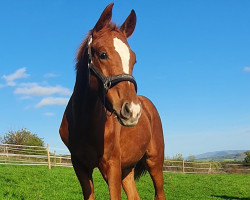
[235, 155]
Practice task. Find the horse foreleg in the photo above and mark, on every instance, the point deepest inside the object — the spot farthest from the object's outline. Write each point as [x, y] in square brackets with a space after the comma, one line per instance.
[128, 184]
[155, 171]
[111, 172]
[86, 181]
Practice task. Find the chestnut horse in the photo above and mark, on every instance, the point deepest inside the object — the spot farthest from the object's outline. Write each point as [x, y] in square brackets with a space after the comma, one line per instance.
[106, 124]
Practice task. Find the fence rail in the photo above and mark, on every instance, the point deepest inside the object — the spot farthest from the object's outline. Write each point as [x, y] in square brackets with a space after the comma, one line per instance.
[187, 167]
[11, 154]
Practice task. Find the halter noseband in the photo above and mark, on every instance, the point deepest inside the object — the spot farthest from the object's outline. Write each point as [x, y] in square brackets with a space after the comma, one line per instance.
[107, 82]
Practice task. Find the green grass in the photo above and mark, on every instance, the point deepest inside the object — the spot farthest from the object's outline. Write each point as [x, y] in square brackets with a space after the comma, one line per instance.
[37, 182]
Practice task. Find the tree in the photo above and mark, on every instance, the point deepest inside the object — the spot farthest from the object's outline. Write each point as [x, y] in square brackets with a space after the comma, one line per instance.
[191, 158]
[22, 137]
[247, 158]
[178, 156]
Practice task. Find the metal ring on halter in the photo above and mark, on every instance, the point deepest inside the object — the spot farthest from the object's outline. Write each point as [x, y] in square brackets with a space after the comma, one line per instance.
[107, 84]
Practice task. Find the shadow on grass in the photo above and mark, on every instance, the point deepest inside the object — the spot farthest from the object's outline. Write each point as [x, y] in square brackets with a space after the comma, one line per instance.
[232, 198]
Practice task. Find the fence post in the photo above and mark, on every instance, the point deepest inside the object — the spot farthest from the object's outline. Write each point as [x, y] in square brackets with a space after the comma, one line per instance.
[183, 166]
[54, 158]
[49, 165]
[7, 151]
[4, 151]
[210, 168]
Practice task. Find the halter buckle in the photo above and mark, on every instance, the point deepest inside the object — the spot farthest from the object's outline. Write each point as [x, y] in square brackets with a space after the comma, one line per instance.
[89, 50]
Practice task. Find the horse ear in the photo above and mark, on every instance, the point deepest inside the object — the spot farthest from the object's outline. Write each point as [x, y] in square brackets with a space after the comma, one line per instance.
[128, 26]
[104, 18]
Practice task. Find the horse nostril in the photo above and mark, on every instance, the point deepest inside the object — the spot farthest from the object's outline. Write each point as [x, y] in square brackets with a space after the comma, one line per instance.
[126, 107]
[126, 112]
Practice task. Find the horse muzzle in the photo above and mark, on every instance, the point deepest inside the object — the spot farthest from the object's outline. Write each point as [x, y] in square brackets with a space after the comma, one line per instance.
[129, 114]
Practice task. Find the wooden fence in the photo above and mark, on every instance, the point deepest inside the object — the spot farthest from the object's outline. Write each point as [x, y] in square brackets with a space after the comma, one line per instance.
[234, 168]
[182, 166]
[187, 167]
[11, 154]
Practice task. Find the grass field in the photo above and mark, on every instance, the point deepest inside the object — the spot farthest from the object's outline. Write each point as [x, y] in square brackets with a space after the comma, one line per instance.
[37, 182]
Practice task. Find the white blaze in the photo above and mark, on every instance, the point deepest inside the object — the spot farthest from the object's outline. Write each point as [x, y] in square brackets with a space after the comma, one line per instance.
[123, 51]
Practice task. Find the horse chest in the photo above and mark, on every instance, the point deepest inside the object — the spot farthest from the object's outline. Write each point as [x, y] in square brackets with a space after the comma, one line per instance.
[134, 144]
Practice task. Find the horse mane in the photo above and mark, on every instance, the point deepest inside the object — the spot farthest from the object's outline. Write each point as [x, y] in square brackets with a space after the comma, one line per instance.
[83, 46]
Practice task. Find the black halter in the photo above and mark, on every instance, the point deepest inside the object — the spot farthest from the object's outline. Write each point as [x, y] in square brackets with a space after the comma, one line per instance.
[107, 82]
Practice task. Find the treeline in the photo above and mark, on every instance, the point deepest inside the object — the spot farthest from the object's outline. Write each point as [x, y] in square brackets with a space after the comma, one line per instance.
[22, 137]
[245, 159]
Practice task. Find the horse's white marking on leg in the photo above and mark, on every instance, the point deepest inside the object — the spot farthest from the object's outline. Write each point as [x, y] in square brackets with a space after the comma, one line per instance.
[123, 50]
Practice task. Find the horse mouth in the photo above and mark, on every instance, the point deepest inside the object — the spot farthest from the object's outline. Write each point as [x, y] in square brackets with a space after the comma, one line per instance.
[128, 118]
[128, 123]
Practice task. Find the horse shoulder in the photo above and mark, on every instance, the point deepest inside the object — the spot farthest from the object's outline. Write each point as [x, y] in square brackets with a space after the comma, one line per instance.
[148, 108]
[156, 145]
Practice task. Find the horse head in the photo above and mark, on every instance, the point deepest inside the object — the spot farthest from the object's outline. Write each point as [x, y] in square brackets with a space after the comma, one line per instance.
[111, 62]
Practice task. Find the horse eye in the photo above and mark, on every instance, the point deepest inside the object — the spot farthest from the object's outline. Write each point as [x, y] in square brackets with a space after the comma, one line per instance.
[103, 56]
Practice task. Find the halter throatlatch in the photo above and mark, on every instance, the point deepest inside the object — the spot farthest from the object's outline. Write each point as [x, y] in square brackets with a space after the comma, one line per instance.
[107, 82]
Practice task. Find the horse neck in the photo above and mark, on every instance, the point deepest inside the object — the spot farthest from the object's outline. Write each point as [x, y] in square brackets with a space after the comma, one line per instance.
[84, 98]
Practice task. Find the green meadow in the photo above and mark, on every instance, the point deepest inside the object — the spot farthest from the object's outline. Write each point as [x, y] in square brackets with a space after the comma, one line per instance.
[37, 182]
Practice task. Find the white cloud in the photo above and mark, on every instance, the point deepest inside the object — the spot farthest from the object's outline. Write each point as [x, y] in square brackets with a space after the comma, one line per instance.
[49, 101]
[26, 97]
[37, 90]
[27, 84]
[246, 69]
[18, 74]
[27, 107]
[50, 75]
[42, 91]
[49, 114]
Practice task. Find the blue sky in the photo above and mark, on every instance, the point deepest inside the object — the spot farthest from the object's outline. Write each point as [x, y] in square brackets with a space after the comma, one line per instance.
[193, 62]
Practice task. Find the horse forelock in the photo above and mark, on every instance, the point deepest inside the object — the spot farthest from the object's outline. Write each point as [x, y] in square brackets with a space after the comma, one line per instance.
[81, 50]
